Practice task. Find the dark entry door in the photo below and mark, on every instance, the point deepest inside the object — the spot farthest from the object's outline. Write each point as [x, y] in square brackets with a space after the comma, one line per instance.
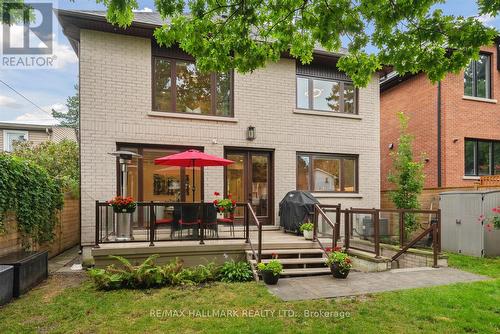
[250, 180]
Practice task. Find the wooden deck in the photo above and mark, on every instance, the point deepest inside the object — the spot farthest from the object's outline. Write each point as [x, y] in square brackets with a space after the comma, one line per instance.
[214, 250]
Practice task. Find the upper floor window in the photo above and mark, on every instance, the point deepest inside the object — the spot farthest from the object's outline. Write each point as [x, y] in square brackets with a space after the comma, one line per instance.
[322, 87]
[10, 137]
[178, 86]
[327, 172]
[477, 77]
[482, 157]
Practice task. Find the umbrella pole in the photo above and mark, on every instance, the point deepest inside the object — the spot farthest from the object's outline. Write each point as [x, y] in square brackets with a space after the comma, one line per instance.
[193, 182]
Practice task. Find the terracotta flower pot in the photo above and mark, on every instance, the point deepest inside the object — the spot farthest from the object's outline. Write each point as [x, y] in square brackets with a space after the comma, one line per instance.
[337, 272]
[269, 277]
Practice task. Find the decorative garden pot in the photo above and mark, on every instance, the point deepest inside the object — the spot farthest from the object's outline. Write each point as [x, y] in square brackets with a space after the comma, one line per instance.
[269, 277]
[123, 226]
[308, 235]
[337, 273]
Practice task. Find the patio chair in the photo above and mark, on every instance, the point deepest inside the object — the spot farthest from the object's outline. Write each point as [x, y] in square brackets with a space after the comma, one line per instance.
[190, 217]
[210, 220]
[167, 222]
[228, 221]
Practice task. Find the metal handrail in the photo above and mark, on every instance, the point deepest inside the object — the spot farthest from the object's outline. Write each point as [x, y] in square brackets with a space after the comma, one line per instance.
[319, 211]
[258, 256]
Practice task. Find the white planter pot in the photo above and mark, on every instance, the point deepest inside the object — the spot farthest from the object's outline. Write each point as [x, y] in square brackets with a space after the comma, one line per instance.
[308, 235]
[123, 226]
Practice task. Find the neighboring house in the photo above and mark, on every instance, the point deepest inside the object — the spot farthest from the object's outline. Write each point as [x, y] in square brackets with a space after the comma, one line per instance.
[281, 124]
[456, 123]
[11, 132]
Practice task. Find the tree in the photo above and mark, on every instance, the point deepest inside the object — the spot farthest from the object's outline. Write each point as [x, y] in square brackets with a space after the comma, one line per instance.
[409, 34]
[406, 175]
[72, 117]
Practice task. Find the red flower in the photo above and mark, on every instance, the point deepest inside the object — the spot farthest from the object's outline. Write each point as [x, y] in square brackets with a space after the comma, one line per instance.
[216, 193]
[221, 209]
[494, 209]
[216, 202]
[337, 249]
[328, 249]
[233, 202]
[229, 196]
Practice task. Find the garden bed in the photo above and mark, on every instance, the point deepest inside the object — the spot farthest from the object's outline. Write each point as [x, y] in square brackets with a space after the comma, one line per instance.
[30, 268]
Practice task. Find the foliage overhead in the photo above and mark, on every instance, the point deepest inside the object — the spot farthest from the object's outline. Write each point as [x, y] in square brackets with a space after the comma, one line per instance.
[406, 175]
[411, 35]
[32, 195]
[70, 119]
[60, 160]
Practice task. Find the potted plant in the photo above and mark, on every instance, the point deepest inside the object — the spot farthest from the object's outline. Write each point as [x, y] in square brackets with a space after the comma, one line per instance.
[307, 230]
[339, 262]
[225, 205]
[123, 207]
[270, 271]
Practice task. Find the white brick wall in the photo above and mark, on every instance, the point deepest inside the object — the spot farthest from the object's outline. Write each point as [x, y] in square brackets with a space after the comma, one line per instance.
[115, 86]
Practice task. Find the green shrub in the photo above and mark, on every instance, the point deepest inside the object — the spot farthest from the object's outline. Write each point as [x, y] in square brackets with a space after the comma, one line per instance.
[148, 275]
[233, 271]
[274, 265]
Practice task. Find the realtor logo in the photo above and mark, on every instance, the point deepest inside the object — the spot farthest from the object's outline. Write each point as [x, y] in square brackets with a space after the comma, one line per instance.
[27, 34]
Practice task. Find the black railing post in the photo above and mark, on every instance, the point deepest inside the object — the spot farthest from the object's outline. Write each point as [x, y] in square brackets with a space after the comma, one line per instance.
[107, 223]
[259, 252]
[347, 217]
[439, 229]
[202, 223]
[315, 222]
[376, 231]
[96, 224]
[152, 224]
[246, 217]
[435, 242]
[337, 224]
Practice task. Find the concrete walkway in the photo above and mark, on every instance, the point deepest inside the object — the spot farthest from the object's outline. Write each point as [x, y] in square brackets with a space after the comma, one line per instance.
[358, 283]
[64, 261]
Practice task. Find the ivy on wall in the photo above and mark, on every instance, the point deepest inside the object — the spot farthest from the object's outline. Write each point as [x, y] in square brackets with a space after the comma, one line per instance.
[29, 193]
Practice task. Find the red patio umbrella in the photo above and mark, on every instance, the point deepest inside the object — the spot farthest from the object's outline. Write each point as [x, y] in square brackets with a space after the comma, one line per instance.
[192, 158]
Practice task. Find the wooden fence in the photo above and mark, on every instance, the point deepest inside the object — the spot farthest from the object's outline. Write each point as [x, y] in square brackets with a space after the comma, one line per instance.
[67, 231]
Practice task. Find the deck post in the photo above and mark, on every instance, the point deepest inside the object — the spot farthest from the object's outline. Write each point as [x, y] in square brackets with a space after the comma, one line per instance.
[315, 223]
[259, 251]
[107, 223]
[152, 224]
[435, 243]
[96, 224]
[401, 228]
[376, 231]
[337, 225]
[439, 229]
[346, 229]
[202, 223]
[246, 218]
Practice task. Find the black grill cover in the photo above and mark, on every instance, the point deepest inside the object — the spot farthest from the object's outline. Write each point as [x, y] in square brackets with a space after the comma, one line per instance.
[295, 208]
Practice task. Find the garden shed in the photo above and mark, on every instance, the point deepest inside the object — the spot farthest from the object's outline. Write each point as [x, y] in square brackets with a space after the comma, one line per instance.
[464, 216]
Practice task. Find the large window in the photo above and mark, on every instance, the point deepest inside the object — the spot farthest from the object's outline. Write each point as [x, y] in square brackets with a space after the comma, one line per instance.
[482, 157]
[326, 172]
[477, 77]
[10, 137]
[326, 95]
[178, 86]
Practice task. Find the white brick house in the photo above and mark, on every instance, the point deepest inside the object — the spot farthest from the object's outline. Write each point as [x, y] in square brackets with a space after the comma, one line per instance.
[117, 90]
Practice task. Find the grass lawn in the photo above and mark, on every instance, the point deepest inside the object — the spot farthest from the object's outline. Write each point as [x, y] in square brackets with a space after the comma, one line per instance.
[69, 304]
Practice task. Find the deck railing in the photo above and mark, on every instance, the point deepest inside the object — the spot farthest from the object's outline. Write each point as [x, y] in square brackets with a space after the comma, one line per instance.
[173, 221]
[251, 214]
[404, 240]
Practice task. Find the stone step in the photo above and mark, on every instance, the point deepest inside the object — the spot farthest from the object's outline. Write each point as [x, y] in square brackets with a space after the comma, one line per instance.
[305, 271]
[291, 251]
[306, 260]
[367, 255]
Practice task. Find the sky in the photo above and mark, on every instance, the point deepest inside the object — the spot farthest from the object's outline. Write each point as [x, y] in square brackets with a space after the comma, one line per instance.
[48, 89]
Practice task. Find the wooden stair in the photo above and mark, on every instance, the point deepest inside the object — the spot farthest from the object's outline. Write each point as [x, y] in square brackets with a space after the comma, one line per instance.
[296, 262]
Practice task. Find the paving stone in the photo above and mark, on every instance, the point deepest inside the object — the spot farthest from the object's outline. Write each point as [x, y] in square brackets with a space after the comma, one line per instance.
[359, 283]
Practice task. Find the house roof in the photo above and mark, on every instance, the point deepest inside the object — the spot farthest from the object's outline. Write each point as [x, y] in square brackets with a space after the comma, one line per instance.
[24, 126]
[392, 79]
[143, 25]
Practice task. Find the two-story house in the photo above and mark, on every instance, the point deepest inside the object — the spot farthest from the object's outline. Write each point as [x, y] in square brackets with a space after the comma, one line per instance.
[287, 126]
[11, 132]
[456, 123]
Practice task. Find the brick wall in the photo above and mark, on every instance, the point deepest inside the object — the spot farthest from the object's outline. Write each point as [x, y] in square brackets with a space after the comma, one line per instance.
[115, 86]
[461, 118]
[67, 231]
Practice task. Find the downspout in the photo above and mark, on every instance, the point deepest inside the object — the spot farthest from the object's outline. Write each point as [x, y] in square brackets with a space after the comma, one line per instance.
[439, 152]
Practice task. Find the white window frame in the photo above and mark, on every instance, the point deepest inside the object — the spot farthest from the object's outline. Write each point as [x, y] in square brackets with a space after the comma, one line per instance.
[6, 143]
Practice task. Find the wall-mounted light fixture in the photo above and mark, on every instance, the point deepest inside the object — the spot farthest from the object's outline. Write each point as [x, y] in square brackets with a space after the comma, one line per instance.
[251, 133]
[391, 146]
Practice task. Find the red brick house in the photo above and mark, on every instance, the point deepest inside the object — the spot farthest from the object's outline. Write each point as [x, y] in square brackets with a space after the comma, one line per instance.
[456, 123]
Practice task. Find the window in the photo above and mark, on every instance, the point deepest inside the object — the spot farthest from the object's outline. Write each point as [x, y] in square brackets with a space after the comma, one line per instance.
[326, 95]
[482, 157]
[326, 172]
[477, 77]
[179, 87]
[10, 137]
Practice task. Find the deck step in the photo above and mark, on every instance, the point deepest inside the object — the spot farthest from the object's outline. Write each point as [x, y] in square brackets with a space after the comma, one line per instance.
[305, 271]
[290, 251]
[312, 260]
[367, 255]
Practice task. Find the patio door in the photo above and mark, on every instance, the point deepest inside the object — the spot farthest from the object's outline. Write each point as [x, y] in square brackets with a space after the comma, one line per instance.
[250, 180]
